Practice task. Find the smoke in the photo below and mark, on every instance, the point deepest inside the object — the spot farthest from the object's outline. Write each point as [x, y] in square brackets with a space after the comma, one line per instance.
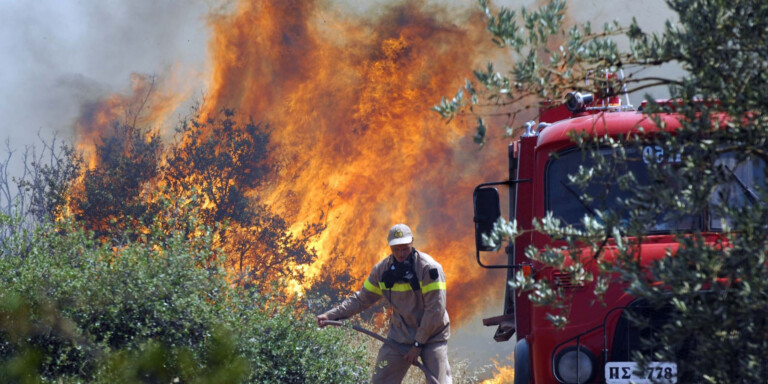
[60, 55]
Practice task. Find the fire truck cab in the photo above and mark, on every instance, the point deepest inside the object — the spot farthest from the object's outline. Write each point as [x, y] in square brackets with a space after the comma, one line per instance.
[597, 343]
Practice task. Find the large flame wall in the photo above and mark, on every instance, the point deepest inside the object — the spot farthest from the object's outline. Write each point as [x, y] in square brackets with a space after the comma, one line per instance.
[358, 148]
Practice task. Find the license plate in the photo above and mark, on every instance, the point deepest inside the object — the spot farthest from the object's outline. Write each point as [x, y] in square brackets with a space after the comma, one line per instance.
[626, 372]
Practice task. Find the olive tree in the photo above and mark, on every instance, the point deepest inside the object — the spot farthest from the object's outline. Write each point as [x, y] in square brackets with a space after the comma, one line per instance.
[714, 285]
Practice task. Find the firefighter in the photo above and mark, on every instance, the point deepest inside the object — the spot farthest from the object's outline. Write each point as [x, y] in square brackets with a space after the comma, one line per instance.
[414, 285]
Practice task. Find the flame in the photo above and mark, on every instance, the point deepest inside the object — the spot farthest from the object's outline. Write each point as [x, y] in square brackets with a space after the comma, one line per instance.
[358, 147]
[503, 374]
[146, 103]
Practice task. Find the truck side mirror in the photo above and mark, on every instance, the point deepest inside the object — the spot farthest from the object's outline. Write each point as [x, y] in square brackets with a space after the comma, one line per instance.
[487, 212]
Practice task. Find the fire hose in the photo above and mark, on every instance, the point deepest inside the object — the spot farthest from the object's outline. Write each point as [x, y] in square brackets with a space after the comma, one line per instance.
[397, 347]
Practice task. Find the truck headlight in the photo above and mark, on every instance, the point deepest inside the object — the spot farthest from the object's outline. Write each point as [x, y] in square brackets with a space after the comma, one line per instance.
[574, 365]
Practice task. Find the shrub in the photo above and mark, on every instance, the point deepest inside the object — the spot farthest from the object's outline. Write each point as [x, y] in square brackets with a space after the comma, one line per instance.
[157, 309]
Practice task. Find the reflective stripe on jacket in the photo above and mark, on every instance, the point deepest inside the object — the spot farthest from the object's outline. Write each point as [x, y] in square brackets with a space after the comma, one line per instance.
[416, 315]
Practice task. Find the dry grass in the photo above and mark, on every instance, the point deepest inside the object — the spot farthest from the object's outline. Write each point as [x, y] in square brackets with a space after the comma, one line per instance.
[461, 373]
[461, 370]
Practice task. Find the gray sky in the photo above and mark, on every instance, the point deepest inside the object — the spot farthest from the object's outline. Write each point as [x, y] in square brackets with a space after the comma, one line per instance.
[58, 54]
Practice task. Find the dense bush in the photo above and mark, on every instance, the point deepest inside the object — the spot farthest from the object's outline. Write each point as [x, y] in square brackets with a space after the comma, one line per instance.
[156, 309]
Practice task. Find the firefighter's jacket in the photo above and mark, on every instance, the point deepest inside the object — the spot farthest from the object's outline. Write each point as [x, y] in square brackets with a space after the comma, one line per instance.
[417, 315]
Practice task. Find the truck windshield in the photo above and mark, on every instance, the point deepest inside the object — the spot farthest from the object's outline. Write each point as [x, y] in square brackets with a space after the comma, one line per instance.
[745, 182]
[570, 201]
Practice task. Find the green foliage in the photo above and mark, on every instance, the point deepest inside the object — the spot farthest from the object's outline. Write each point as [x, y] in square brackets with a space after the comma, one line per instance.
[712, 287]
[155, 310]
[151, 361]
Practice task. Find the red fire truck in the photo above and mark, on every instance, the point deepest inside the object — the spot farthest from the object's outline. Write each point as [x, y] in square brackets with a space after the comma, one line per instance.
[596, 344]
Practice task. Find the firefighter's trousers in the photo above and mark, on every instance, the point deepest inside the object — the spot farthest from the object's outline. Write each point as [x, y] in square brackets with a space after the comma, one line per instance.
[391, 367]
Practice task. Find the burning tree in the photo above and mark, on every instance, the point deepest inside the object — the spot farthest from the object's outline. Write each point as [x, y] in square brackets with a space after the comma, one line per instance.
[215, 167]
[222, 162]
[112, 197]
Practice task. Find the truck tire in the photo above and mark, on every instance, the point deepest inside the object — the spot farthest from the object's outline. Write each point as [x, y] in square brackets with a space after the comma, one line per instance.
[522, 362]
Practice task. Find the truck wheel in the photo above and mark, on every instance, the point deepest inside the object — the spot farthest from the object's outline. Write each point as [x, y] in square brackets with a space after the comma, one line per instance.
[522, 362]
